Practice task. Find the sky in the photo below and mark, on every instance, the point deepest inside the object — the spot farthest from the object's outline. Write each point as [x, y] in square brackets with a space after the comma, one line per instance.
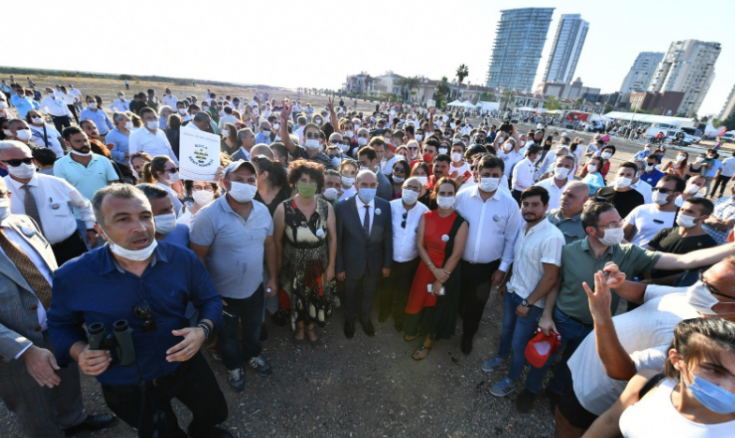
[291, 43]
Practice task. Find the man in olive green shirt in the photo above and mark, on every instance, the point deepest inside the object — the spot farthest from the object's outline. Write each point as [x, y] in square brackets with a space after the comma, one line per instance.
[568, 217]
[567, 310]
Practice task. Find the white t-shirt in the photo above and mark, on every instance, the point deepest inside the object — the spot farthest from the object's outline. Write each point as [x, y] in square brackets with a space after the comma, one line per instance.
[648, 221]
[645, 333]
[728, 167]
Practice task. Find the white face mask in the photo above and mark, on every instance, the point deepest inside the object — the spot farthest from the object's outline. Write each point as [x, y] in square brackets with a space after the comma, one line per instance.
[276, 126]
[660, 198]
[561, 173]
[128, 125]
[606, 155]
[362, 141]
[349, 134]
[311, 144]
[225, 133]
[182, 111]
[4, 208]
[680, 158]
[489, 185]
[241, 192]
[398, 179]
[24, 134]
[331, 193]
[336, 162]
[419, 137]
[24, 171]
[685, 221]
[37, 120]
[456, 157]
[443, 150]
[445, 202]
[93, 106]
[423, 179]
[649, 168]
[612, 236]
[347, 181]
[153, 125]
[409, 196]
[81, 154]
[165, 223]
[702, 299]
[691, 189]
[592, 168]
[8, 133]
[265, 132]
[135, 255]
[3, 105]
[202, 197]
[622, 182]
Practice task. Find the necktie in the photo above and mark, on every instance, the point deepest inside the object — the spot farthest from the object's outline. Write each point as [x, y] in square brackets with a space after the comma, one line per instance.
[28, 270]
[366, 222]
[30, 205]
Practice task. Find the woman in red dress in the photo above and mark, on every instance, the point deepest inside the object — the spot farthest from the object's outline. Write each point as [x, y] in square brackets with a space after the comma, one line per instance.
[434, 299]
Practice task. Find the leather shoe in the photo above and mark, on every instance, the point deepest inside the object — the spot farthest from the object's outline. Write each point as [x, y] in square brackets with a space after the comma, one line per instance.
[466, 346]
[349, 329]
[92, 423]
[369, 328]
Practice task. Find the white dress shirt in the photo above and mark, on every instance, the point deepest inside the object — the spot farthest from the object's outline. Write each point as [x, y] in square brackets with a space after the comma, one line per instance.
[494, 226]
[52, 136]
[54, 106]
[541, 244]
[40, 263]
[154, 144]
[120, 106]
[170, 100]
[404, 238]
[346, 193]
[554, 191]
[361, 211]
[387, 166]
[54, 199]
[523, 175]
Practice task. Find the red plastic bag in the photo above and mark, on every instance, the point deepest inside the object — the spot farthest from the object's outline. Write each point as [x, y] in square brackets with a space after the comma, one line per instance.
[540, 347]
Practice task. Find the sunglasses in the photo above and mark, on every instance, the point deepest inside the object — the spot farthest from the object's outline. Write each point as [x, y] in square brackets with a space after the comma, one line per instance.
[16, 163]
[143, 311]
[171, 171]
[663, 190]
[312, 135]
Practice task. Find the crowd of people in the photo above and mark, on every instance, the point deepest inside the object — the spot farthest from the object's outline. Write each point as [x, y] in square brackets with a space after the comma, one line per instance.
[412, 210]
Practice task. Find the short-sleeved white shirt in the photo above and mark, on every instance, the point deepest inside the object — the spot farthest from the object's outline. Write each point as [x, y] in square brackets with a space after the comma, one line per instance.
[648, 221]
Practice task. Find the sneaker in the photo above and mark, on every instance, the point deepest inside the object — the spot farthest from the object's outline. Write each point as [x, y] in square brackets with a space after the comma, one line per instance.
[260, 366]
[525, 401]
[504, 387]
[236, 378]
[494, 364]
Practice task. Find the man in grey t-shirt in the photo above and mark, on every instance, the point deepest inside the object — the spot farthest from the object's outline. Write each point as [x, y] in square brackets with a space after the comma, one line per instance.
[231, 236]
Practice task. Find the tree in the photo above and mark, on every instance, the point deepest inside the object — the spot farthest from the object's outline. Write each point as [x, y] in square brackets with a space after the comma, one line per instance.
[462, 72]
[488, 97]
[408, 85]
[508, 99]
[729, 122]
[552, 103]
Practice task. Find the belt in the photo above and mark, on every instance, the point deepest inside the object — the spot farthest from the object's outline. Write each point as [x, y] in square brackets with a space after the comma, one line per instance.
[583, 324]
[481, 264]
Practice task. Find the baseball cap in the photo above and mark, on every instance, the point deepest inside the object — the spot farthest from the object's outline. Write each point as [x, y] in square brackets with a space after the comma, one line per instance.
[236, 165]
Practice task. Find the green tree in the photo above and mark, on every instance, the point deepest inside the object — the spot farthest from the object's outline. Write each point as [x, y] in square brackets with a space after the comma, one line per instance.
[552, 103]
[729, 122]
[409, 84]
[441, 91]
[462, 73]
[508, 99]
[488, 97]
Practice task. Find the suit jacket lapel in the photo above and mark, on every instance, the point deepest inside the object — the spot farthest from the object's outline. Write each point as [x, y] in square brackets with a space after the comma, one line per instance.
[37, 244]
[8, 268]
[353, 205]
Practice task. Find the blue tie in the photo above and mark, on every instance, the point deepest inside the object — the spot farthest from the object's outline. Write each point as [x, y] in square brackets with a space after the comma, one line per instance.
[366, 222]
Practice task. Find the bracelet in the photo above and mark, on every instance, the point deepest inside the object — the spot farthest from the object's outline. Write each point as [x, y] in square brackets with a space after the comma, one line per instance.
[204, 327]
[209, 326]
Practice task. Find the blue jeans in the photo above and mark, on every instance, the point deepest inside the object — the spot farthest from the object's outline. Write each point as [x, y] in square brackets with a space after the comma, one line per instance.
[572, 334]
[250, 312]
[517, 331]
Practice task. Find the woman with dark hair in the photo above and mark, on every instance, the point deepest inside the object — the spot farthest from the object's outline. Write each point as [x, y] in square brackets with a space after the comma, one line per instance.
[137, 162]
[273, 186]
[201, 193]
[421, 171]
[229, 143]
[162, 171]
[434, 299]
[400, 173]
[305, 232]
[679, 166]
[172, 133]
[693, 397]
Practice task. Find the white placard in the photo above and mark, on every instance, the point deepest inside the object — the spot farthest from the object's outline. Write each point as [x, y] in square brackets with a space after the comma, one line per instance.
[199, 156]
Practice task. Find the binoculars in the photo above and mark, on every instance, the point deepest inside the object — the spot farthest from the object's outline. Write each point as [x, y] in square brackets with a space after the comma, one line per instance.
[120, 341]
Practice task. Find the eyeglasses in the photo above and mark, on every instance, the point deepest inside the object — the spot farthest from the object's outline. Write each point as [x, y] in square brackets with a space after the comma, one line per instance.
[143, 311]
[413, 148]
[611, 225]
[663, 190]
[200, 188]
[711, 288]
[403, 224]
[16, 163]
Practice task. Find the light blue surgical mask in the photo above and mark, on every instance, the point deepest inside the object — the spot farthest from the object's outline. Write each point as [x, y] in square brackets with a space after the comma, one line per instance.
[367, 194]
[713, 397]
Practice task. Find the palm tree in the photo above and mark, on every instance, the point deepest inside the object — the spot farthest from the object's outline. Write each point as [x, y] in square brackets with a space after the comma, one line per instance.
[409, 84]
[462, 72]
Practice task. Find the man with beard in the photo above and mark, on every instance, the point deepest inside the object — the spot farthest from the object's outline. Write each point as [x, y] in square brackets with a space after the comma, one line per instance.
[86, 171]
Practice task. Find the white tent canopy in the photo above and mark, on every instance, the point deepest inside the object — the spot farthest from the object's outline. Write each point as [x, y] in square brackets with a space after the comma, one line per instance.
[455, 103]
[468, 104]
[651, 118]
[525, 108]
[488, 106]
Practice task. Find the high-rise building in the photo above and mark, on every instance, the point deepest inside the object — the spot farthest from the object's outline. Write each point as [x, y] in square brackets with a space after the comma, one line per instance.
[729, 107]
[689, 67]
[641, 73]
[568, 42]
[519, 41]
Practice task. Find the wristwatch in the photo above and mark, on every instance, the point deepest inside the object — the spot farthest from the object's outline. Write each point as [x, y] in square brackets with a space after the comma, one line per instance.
[524, 303]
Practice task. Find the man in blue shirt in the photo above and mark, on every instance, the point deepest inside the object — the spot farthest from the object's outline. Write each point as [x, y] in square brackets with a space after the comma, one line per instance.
[119, 138]
[22, 103]
[167, 230]
[264, 136]
[650, 174]
[96, 115]
[148, 284]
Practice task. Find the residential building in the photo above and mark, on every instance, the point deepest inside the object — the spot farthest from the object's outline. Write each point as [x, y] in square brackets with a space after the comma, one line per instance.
[664, 104]
[641, 73]
[388, 83]
[729, 107]
[688, 67]
[568, 42]
[363, 84]
[519, 41]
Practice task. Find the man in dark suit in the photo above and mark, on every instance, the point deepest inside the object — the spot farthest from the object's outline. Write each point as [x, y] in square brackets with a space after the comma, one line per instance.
[368, 158]
[364, 249]
[47, 399]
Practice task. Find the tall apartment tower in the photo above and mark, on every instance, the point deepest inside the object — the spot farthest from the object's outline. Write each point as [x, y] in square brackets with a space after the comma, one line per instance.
[641, 73]
[688, 67]
[519, 41]
[568, 42]
[729, 107]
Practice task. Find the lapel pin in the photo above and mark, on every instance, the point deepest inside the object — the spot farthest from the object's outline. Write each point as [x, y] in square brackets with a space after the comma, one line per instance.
[377, 212]
[28, 231]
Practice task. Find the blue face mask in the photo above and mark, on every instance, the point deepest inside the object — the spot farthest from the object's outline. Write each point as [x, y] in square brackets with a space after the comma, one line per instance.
[713, 397]
[367, 194]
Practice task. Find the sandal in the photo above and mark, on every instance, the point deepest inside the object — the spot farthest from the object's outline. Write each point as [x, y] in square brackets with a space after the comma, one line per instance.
[314, 342]
[412, 338]
[421, 353]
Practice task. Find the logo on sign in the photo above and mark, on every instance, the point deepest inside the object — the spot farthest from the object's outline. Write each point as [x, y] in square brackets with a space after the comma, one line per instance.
[201, 156]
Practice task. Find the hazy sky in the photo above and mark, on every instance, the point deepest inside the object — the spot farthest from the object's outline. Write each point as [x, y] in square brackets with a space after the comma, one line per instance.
[294, 43]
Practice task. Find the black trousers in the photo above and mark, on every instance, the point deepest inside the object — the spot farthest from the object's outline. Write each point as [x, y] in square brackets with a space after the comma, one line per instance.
[72, 247]
[61, 122]
[353, 286]
[394, 296]
[720, 182]
[193, 384]
[73, 111]
[476, 285]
